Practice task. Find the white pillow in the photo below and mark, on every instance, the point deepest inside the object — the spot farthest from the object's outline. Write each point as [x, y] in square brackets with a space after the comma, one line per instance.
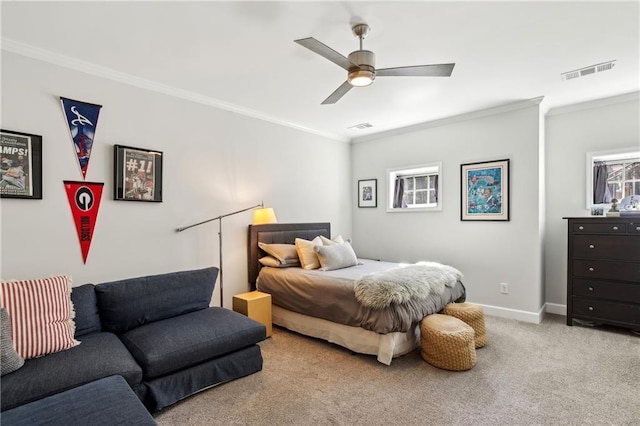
[336, 256]
[328, 242]
[307, 254]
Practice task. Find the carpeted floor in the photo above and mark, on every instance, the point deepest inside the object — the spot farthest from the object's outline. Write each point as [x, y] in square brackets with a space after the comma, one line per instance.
[528, 374]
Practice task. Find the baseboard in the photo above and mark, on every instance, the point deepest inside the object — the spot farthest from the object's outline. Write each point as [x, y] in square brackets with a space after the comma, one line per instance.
[496, 311]
[556, 308]
[526, 316]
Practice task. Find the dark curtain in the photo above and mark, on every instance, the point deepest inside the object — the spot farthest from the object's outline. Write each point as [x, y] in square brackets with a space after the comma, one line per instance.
[398, 193]
[435, 184]
[601, 191]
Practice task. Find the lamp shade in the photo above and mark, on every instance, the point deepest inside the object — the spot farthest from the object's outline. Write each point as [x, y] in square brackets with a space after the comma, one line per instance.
[263, 216]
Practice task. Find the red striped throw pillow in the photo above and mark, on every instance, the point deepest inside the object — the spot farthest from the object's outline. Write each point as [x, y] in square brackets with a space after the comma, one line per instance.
[41, 315]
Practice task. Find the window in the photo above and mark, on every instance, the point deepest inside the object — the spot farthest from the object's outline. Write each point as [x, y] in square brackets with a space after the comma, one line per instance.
[623, 178]
[613, 174]
[416, 188]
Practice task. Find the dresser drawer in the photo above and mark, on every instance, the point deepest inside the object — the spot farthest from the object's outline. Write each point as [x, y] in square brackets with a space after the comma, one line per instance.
[603, 310]
[620, 247]
[608, 270]
[623, 292]
[634, 228]
[600, 228]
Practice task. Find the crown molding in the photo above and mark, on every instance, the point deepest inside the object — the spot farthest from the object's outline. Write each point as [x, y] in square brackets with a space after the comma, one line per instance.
[453, 119]
[44, 55]
[596, 103]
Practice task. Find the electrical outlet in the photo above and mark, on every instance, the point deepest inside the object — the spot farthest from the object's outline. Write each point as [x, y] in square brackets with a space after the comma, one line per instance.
[504, 288]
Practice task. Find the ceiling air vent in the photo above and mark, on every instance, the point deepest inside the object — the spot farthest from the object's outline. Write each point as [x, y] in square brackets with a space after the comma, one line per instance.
[361, 126]
[592, 69]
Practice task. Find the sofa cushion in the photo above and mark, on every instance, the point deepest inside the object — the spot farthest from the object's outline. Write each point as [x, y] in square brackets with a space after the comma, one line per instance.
[86, 306]
[98, 355]
[173, 344]
[133, 302]
[166, 390]
[108, 401]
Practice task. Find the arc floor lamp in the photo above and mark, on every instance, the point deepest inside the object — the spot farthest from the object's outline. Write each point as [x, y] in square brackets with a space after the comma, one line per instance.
[261, 215]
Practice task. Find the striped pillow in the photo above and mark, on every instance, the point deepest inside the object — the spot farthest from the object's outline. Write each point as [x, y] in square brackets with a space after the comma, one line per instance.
[41, 314]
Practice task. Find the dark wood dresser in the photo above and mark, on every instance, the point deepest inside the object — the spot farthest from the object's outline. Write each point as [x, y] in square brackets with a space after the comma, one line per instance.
[603, 271]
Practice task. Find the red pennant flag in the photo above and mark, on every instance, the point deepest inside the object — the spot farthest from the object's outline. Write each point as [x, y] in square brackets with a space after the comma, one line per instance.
[84, 199]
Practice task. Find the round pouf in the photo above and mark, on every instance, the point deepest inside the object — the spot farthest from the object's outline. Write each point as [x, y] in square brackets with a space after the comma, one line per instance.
[472, 315]
[447, 342]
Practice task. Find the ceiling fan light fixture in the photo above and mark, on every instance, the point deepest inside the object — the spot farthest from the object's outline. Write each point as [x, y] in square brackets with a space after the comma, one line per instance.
[361, 78]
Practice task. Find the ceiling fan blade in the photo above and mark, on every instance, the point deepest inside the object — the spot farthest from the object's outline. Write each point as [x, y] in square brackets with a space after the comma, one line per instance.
[338, 93]
[440, 70]
[326, 52]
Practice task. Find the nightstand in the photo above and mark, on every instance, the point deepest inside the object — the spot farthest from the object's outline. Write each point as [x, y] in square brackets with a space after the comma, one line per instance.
[256, 305]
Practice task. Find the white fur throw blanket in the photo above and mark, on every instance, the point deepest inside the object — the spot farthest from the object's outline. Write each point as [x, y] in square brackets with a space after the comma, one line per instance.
[405, 283]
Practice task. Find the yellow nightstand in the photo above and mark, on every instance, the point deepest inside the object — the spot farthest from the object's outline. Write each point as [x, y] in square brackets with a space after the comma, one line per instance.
[256, 305]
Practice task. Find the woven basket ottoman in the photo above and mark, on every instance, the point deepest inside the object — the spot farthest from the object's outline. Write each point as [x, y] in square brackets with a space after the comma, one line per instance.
[447, 342]
[472, 315]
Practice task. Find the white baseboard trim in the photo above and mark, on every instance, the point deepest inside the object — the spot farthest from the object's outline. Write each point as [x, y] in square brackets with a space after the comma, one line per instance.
[526, 316]
[497, 311]
[556, 308]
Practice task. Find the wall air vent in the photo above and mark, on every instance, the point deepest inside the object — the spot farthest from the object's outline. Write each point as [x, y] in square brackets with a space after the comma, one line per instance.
[592, 69]
[361, 126]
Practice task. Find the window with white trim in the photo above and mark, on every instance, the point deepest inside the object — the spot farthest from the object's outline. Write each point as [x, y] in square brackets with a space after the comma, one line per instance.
[415, 188]
[620, 169]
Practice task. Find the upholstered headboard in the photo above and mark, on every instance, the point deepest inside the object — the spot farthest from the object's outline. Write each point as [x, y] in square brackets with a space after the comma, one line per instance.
[278, 233]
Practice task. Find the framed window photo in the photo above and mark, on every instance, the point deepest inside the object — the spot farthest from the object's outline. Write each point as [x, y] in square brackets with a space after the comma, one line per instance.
[137, 174]
[20, 165]
[485, 191]
[368, 193]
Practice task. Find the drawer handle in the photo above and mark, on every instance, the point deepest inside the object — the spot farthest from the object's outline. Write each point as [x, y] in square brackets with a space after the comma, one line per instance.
[615, 228]
[637, 228]
[590, 288]
[591, 246]
[591, 269]
[591, 308]
[581, 227]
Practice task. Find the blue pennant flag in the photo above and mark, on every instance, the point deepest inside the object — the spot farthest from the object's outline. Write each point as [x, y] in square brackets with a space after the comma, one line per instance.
[82, 119]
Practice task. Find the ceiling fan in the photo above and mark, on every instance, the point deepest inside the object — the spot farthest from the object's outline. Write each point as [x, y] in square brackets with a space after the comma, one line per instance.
[360, 65]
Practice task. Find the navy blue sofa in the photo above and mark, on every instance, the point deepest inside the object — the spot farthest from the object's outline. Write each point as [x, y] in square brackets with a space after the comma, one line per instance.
[157, 332]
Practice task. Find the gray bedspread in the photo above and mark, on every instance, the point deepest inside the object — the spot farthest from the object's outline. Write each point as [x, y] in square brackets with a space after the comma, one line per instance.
[329, 295]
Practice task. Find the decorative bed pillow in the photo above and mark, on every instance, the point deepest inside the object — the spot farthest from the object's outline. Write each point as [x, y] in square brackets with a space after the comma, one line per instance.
[275, 263]
[336, 256]
[285, 253]
[10, 361]
[307, 253]
[330, 242]
[41, 315]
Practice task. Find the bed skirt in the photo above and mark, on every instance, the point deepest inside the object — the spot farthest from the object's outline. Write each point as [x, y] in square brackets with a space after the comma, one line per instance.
[384, 346]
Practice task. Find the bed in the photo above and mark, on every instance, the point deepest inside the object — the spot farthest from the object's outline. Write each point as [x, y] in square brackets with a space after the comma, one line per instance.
[335, 316]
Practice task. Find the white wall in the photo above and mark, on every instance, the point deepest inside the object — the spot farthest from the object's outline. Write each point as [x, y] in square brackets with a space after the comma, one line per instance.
[215, 162]
[488, 253]
[571, 132]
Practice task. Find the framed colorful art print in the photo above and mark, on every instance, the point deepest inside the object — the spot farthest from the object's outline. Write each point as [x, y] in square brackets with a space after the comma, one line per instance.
[20, 165]
[485, 191]
[137, 174]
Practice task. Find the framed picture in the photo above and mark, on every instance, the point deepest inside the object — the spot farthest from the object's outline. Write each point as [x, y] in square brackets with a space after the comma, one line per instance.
[137, 174]
[20, 165]
[485, 191]
[368, 193]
